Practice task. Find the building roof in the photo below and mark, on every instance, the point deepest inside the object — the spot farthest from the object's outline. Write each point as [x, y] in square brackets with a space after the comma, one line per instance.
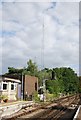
[9, 79]
[13, 75]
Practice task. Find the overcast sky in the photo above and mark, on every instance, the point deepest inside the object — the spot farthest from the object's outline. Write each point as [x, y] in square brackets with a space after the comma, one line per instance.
[22, 32]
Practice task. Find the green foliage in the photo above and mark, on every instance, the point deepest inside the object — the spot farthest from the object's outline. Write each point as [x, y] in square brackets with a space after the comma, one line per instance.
[79, 90]
[13, 70]
[44, 74]
[3, 97]
[66, 80]
[35, 97]
[53, 86]
[32, 68]
[49, 97]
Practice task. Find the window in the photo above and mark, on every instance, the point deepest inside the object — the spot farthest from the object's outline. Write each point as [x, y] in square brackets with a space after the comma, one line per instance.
[4, 86]
[36, 86]
[12, 86]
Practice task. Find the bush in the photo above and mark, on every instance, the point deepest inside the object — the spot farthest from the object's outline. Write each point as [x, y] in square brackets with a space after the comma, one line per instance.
[51, 97]
[4, 98]
[35, 97]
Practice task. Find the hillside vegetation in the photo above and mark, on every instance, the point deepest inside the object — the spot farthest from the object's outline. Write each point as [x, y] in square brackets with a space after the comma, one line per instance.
[60, 80]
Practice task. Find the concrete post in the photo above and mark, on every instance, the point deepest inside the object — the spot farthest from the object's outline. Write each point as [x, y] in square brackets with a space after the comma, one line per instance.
[22, 88]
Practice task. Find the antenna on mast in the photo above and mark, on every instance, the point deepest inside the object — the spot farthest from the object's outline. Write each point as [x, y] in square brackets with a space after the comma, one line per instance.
[42, 46]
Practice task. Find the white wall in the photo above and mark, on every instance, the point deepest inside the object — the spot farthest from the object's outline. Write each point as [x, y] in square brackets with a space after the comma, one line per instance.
[11, 93]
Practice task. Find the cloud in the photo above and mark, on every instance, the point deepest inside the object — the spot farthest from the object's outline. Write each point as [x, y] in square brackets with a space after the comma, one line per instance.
[41, 1]
[0, 38]
[23, 34]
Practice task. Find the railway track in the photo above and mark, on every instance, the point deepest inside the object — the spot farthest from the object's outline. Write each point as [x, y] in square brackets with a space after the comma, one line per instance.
[55, 110]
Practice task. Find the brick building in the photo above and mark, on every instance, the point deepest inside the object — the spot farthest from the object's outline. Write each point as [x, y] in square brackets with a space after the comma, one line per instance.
[29, 85]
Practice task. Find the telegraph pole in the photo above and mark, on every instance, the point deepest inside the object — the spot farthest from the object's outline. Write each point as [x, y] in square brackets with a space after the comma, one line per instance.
[22, 87]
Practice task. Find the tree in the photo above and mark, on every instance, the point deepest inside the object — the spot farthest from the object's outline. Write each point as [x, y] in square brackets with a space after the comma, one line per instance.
[44, 74]
[69, 78]
[53, 86]
[65, 79]
[32, 68]
[12, 70]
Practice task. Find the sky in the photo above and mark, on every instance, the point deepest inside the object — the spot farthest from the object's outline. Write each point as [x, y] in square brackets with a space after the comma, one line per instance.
[22, 35]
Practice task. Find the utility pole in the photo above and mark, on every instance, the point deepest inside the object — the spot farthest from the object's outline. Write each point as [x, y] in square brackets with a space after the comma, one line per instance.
[42, 46]
[22, 87]
[42, 52]
[43, 38]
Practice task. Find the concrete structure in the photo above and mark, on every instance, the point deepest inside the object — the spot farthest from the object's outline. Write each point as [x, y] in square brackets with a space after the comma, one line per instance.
[30, 85]
[78, 114]
[9, 87]
[9, 109]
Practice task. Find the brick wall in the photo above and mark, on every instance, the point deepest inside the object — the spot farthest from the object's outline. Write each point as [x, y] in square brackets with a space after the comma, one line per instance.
[30, 84]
